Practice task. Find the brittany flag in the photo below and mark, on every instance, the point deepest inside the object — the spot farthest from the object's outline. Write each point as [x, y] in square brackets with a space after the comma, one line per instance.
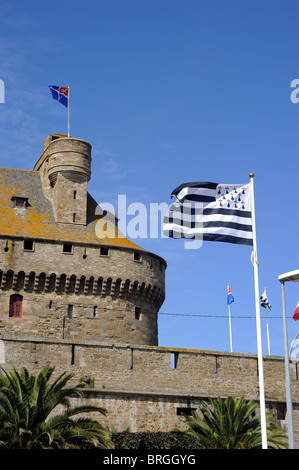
[296, 313]
[61, 94]
[210, 211]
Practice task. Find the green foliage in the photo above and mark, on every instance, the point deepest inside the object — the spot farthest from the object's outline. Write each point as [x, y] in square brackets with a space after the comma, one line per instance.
[27, 420]
[153, 440]
[86, 380]
[232, 424]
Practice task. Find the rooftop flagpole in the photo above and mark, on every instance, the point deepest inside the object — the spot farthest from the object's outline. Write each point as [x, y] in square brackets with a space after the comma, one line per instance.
[258, 321]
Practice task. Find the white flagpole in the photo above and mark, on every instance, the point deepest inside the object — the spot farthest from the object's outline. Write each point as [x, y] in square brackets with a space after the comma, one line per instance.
[268, 337]
[230, 329]
[68, 113]
[230, 323]
[258, 322]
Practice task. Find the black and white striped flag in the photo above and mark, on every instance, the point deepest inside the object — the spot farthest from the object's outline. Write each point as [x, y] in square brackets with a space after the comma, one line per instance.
[210, 211]
[264, 300]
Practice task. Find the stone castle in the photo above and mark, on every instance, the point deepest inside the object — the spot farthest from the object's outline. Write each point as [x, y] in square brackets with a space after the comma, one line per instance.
[57, 276]
[89, 305]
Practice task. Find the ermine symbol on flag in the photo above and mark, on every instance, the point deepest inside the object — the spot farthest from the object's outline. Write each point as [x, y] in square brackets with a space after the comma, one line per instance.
[210, 211]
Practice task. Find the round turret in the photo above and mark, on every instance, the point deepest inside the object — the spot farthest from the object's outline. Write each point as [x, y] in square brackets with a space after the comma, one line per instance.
[70, 157]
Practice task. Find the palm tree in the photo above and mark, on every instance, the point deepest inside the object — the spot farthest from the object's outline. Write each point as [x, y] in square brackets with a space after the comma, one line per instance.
[232, 424]
[26, 402]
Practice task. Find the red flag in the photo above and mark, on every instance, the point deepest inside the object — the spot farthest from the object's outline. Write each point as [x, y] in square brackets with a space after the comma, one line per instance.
[296, 313]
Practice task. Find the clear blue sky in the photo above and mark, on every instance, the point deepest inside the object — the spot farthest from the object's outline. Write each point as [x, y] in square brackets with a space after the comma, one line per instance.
[169, 91]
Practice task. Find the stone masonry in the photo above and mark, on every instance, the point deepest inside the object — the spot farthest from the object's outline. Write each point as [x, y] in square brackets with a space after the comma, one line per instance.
[148, 388]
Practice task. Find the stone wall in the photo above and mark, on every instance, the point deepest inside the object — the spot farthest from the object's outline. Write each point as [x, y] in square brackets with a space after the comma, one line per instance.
[112, 296]
[84, 260]
[147, 387]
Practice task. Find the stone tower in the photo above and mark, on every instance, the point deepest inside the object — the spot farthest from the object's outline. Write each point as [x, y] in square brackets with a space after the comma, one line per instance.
[65, 168]
[58, 279]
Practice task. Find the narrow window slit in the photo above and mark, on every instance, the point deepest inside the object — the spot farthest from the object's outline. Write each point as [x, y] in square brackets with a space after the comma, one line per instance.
[174, 360]
[73, 355]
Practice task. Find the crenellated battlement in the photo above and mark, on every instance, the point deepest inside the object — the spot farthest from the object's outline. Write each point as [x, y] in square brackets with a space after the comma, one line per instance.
[80, 285]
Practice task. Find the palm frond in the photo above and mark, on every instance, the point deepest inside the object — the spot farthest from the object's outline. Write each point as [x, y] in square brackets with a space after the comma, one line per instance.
[232, 424]
[26, 403]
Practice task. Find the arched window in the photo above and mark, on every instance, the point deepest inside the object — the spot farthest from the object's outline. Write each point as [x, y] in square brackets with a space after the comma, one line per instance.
[15, 305]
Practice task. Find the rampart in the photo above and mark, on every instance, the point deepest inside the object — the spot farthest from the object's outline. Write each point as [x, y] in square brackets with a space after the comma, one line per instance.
[148, 388]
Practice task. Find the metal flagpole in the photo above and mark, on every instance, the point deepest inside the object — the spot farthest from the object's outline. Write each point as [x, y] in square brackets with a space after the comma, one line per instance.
[230, 329]
[291, 429]
[268, 337]
[258, 322]
[68, 113]
[289, 401]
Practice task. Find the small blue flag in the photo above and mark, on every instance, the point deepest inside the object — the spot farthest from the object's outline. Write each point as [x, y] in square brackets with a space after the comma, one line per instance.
[230, 297]
[61, 94]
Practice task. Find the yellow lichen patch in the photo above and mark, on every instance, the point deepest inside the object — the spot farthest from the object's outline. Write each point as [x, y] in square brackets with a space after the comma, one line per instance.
[37, 219]
[8, 256]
